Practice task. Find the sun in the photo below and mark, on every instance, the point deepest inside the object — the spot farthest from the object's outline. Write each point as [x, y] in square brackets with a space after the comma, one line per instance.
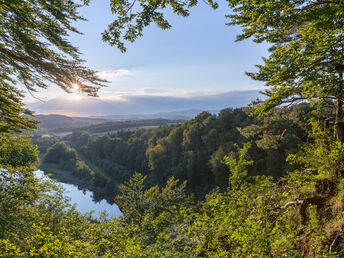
[75, 86]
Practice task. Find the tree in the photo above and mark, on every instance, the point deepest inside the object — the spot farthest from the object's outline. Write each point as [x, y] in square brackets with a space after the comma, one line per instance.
[35, 53]
[238, 165]
[60, 152]
[307, 51]
[17, 151]
[131, 20]
[306, 37]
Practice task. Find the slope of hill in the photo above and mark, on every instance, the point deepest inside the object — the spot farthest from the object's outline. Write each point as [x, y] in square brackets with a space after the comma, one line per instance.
[109, 127]
[176, 115]
[61, 125]
[60, 122]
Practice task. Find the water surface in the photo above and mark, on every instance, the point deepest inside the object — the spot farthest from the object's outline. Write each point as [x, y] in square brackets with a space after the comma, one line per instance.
[83, 199]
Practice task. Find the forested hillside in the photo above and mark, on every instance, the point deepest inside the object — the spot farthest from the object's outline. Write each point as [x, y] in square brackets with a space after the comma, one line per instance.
[298, 212]
[192, 151]
[62, 125]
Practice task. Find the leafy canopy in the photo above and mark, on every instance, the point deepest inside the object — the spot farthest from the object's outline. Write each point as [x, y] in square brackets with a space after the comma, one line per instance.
[133, 16]
[306, 40]
[307, 46]
[35, 53]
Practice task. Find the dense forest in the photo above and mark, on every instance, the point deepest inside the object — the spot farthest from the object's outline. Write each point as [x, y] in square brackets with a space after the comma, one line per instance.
[263, 181]
[296, 212]
[192, 151]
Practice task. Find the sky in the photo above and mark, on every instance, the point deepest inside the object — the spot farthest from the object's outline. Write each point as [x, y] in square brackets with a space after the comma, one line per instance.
[195, 64]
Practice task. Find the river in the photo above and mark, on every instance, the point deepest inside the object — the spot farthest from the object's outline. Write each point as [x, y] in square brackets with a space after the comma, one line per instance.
[83, 200]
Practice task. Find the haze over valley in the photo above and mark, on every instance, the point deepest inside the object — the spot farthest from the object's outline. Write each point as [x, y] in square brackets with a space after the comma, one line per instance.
[136, 106]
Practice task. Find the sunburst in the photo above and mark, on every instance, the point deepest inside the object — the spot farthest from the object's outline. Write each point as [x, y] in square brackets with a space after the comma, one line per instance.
[75, 86]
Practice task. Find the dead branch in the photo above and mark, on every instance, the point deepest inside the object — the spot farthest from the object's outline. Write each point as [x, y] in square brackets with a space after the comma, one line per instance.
[335, 239]
[291, 203]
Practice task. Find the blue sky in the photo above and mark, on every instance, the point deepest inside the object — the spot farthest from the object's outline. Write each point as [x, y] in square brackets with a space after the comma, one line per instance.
[198, 57]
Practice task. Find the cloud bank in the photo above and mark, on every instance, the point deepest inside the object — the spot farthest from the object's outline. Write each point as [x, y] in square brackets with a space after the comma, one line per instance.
[142, 104]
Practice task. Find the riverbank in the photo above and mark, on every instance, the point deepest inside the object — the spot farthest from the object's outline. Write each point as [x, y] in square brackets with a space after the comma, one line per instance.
[83, 199]
[63, 176]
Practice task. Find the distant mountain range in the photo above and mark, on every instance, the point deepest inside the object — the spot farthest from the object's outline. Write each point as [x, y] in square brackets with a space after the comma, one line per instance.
[61, 124]
[53, 121]
[176, 115]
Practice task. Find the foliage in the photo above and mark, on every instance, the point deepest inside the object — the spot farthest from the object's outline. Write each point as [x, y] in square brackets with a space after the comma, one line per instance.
[66, 158]
[132, 19]
[35, 217]
[34, 53]
[140, 206]
[11, 108]
[80, 138]
[60, 153]
[122, 125]
[238, 165]
[282, 126]
[36, 220]
[43, 142]
[307, 58]
[306, 38]
[298, 213]
[301, 214]
[193, 150]
[297, 216]
[17, 151]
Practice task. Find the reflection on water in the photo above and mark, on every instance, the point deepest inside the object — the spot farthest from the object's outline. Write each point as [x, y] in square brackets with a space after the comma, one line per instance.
[84, 201]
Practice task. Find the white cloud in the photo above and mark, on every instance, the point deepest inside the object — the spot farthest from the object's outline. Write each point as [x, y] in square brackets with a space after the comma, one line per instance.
[114, 73]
